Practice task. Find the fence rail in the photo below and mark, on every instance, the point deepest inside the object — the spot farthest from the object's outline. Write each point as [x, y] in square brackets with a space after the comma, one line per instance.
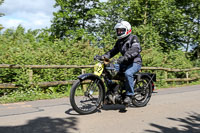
[56, 83]
[44, 66]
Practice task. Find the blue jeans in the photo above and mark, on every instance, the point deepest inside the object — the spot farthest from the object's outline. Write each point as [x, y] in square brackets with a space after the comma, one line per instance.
[129, 72]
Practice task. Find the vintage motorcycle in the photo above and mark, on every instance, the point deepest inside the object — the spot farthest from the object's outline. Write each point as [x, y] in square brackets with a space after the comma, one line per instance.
[106, 86]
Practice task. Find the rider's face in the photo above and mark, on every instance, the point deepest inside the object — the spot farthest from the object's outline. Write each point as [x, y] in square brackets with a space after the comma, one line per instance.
[120, 31]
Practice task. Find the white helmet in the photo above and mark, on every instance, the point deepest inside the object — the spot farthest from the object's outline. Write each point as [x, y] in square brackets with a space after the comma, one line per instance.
[125, 27]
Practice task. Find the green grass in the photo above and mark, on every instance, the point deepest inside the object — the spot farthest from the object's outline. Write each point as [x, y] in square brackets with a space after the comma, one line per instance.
[33, 95]
[36, 94]
[173, 85]
[30, 97]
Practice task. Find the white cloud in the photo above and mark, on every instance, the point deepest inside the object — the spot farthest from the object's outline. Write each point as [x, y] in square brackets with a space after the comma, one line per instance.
[7, 22]
[31, 14]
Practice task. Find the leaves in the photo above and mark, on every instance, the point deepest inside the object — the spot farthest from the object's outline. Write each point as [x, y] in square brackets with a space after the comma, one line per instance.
[74, 16]
[1, 14]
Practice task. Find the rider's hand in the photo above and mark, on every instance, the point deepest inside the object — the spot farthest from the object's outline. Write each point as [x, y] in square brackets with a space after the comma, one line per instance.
[120, 59]
[105, 57]
[98, 57]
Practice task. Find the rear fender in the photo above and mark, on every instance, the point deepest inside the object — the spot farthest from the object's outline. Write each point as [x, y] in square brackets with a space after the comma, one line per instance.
[150, 76]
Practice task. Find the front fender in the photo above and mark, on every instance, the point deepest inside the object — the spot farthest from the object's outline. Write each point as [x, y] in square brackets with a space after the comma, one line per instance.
[88, 75]
[93, 76]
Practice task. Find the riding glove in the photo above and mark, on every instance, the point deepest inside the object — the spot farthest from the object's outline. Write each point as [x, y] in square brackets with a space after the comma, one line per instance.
[98, 57]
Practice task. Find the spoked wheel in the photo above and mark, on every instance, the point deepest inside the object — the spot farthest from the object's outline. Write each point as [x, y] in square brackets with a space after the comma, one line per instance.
[143, 91]
[86, 96]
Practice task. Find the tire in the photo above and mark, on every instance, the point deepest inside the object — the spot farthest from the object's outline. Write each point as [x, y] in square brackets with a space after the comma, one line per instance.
[86, 95]
[143, 91]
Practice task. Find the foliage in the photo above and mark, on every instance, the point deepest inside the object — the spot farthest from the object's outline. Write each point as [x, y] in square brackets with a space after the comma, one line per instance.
[74, 18]
[174, 59]
[1, 14]
[173, 23]
[191, 10]
[35, 48]
[1, 2]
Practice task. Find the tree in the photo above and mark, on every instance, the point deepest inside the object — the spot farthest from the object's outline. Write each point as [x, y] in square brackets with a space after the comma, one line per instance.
[1, 2]
[1, 14]
[166, 23]
[169, 25]
[136, 12]
[191, 10]
[74, 18]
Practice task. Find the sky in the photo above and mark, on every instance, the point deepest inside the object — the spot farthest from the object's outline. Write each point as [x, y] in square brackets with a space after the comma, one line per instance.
[31, 14]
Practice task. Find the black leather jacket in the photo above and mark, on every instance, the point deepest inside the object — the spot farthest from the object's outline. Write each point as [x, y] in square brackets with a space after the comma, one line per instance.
[130, 49]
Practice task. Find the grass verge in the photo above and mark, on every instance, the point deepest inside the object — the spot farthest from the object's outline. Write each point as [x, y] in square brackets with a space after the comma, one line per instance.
[20, 96]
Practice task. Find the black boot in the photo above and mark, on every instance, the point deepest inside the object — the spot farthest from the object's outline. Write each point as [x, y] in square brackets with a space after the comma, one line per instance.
[128, 100]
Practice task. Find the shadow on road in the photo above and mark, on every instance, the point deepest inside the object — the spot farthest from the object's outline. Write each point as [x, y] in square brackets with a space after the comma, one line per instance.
[190, 124]
[121, 108]
[71, 112]
[44, 125]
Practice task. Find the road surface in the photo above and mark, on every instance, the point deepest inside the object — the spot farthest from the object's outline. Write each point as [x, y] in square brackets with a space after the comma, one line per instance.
[171, 110]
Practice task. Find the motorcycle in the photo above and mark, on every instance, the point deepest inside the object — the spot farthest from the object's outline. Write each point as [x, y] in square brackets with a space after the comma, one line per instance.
[106, 86]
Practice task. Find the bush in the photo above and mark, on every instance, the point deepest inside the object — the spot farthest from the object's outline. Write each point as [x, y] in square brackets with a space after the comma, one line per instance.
[36, 48]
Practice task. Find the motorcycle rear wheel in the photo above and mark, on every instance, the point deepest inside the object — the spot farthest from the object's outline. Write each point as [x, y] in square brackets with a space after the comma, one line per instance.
[86, 96]
[143, 91]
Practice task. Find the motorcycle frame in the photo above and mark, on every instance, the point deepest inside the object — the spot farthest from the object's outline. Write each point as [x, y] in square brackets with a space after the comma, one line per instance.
[150, 76]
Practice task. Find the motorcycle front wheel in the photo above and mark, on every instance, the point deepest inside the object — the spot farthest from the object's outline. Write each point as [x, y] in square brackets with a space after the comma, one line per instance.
[86, 95]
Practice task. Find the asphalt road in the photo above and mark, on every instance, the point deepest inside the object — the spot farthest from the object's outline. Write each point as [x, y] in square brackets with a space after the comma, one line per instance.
[173, 110]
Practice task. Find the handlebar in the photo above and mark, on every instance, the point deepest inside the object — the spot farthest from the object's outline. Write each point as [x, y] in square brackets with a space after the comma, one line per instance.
[102, 59]
[106, 61]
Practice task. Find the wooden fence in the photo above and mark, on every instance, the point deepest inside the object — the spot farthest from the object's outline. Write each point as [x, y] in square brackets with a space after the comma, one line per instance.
[56, 83]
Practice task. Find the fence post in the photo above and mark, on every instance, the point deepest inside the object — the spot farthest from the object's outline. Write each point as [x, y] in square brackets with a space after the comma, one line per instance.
[30, 75]
[166, 77]
[84, 86]
[187, 76]
[83, 71]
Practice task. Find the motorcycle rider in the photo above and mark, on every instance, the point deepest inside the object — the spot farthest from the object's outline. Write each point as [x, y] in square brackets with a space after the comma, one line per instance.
[130, 61]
